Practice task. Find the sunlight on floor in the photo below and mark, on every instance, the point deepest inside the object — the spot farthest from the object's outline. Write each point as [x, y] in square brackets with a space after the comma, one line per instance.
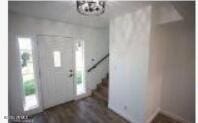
[30, 102]
[80, 89]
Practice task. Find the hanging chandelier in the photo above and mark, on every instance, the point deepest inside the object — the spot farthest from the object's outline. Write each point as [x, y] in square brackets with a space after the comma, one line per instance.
[90, 7]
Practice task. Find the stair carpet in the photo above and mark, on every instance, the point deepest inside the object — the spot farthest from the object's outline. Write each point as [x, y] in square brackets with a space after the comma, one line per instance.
[101, 91]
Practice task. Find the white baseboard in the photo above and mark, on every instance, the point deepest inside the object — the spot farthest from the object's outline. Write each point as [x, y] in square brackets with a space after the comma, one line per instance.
[153, 115]
[174, 116]
[167, 113]
[127, 118]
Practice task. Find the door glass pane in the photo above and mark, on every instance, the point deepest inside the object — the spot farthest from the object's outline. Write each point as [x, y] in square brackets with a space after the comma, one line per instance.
[80, 74]
[57, 58]
[28, 76]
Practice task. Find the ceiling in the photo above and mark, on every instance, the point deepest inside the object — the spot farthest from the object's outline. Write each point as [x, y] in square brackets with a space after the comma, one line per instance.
[66, 11]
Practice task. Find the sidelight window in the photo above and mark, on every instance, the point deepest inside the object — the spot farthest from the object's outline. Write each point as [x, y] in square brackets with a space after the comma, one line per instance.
[28, 74]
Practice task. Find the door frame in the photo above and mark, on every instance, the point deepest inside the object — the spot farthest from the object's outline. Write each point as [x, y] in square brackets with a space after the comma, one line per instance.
[73, 66]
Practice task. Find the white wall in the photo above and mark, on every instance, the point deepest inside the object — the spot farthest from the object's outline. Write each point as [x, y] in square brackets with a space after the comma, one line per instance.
[96, 46]
[153, 85]
[129, 60]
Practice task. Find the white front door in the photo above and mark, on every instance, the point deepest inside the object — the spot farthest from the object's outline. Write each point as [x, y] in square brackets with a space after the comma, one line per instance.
[56, 69]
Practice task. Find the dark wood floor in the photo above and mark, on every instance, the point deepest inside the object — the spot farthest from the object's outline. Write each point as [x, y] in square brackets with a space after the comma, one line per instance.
[161, 118]
[88, 110]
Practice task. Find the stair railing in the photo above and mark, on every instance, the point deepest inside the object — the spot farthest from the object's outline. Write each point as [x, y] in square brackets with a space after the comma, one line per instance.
[95, 65]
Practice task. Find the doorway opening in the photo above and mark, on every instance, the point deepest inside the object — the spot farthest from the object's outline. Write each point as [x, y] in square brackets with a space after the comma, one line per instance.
[28, 74]
[79, 68]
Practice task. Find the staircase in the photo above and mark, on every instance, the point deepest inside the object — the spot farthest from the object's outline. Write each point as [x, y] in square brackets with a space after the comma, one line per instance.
[101, 91]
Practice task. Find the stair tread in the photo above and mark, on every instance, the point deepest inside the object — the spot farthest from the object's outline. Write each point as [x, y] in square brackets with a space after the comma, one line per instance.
[105, 82]
[103, 89]
[99, 95]
[102, 86]
[102, 94]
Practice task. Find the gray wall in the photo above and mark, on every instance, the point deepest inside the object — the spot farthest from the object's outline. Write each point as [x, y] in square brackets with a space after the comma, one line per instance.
[178, 70]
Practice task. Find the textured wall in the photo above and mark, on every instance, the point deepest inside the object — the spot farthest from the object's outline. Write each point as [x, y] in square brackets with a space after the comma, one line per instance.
[129, 58]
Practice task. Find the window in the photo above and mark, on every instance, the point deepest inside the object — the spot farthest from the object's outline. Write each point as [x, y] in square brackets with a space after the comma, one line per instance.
[57, 59]
[28, 75]
[79, 67]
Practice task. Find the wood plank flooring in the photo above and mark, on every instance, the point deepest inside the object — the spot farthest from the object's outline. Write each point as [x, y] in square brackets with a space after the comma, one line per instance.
[88, 110]
[161, 118]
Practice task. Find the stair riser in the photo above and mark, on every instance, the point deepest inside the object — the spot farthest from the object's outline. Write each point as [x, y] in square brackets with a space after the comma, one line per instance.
[103, 91]
[100, 96]
[105, 83]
